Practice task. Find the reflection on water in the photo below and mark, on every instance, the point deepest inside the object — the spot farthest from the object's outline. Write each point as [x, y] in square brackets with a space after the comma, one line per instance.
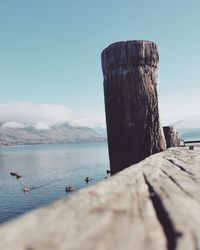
[47, 170]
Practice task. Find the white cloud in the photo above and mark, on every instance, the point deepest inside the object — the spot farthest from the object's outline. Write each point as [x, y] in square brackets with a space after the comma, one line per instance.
[173, 108]
[29, 113]
[13, 125]
[41, 126]
[43, 116]
[190, 122]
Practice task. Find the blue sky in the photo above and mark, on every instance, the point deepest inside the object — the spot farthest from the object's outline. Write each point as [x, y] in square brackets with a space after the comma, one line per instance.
[50, 51]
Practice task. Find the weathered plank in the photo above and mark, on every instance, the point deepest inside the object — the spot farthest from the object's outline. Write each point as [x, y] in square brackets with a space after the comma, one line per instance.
[178, 190]
[154, 205]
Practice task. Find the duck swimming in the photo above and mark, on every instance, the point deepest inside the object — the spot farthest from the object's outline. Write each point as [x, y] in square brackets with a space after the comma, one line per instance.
[69, 189]
[26, 189]
[87, 179]
[13, 173]
[18, 176]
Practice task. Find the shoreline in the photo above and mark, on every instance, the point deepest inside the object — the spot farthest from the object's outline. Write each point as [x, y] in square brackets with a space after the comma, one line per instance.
[45, 144]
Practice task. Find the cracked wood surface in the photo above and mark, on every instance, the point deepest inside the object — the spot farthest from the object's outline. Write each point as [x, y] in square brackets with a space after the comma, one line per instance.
[152, 205]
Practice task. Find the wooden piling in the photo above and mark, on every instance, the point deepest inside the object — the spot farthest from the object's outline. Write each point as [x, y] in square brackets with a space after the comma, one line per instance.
[130, 71]
[172, 137]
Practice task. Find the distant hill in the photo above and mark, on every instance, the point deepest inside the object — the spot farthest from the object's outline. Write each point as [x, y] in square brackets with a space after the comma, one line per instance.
[189, 128]
[59, 133]
[101, 130]
[190, 134]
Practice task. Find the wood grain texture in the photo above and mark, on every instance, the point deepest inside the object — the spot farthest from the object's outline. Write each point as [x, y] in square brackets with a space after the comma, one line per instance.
[130, 72]
[153, 205]
[172, 137]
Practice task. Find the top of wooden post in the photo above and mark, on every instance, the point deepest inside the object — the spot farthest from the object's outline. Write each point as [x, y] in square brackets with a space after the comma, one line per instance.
[136, 52]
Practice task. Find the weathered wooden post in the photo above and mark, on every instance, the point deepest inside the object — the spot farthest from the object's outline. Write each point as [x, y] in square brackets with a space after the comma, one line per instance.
[130, 71]
[172, 137]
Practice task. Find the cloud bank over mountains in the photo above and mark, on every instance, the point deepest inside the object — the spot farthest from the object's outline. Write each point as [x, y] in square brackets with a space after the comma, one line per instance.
[192, 122]
[43, 116]
[36, 123]
[189, 128]
[30, 124]
[30, 113]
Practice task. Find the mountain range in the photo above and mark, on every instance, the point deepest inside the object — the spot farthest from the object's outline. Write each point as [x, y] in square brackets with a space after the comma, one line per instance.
[14, 134]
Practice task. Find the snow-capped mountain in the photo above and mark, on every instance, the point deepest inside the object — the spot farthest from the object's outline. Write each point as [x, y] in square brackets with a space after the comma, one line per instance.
[12, 133]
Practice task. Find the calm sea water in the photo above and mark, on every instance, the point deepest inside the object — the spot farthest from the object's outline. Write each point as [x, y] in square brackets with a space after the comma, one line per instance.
[47, 170]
